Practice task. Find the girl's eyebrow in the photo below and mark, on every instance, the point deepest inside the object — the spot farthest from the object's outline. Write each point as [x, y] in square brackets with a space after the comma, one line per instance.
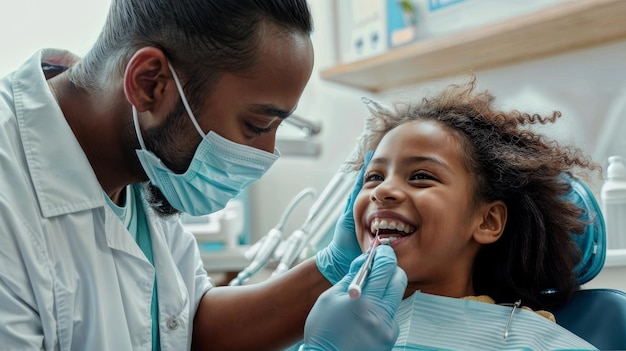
[413, 160]
[421, 159]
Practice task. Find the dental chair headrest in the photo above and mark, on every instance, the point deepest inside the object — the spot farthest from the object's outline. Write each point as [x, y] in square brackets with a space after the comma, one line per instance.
[592, 242]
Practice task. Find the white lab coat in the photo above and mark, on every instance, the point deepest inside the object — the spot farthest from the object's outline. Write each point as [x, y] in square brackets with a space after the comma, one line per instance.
[71, 276]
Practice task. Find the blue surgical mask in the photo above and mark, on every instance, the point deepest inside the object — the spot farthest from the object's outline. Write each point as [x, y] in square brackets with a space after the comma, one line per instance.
[220, 169]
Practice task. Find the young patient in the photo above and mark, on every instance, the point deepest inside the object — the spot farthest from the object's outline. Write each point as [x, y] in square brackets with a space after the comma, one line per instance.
[475, 200]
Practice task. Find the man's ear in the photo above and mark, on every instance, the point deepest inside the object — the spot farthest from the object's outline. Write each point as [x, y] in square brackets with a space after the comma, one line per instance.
[492, 222]
[146, 78]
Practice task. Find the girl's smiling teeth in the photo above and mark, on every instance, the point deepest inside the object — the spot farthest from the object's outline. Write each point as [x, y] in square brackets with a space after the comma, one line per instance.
[391, 224]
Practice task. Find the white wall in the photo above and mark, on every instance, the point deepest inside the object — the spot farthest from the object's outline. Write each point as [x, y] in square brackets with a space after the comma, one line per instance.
[588, 87]
[29, 25]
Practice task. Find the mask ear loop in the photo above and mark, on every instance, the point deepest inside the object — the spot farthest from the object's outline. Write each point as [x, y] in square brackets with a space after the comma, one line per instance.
[137, 130]
[184, 99]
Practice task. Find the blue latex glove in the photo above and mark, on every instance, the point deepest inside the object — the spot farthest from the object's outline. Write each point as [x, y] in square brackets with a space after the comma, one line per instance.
[334, 260]
[337, 322]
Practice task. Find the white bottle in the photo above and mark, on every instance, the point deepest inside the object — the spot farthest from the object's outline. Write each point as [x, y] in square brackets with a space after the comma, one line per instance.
[613, 198]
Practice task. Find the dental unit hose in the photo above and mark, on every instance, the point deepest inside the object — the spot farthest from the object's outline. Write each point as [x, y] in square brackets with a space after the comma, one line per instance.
[317, 220]
[261, 258]
[269, 243]
[321, 232]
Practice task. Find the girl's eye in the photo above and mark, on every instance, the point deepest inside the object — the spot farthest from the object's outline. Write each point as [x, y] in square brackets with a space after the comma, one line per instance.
[373, 177]
[422, 175]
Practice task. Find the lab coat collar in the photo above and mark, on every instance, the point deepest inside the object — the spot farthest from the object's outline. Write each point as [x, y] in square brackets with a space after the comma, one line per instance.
[62, 176]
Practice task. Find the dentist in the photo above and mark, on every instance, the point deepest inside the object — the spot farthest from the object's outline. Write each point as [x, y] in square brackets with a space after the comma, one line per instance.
[175, 108]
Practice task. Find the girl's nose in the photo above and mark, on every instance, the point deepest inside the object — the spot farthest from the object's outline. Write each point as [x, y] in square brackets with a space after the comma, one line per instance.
[387, 192]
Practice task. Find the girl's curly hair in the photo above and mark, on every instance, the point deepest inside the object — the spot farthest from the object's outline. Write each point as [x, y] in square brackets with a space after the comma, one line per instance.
[526, 170]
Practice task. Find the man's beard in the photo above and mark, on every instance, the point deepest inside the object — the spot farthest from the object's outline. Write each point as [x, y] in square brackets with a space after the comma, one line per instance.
[155, 140]
[158, 202]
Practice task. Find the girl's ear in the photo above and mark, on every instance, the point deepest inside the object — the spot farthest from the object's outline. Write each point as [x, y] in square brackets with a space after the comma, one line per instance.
[492, 222]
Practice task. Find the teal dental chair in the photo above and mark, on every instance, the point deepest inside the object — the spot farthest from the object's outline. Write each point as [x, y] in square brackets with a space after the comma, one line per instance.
[596, 315]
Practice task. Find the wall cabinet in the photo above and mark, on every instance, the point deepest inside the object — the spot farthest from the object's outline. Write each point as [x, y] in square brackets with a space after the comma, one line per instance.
[559, 28]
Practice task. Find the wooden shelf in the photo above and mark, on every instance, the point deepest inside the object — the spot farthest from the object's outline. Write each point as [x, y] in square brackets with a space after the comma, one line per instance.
[560, 28]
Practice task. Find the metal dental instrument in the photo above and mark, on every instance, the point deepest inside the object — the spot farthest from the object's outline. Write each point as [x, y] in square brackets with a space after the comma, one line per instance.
[354, 290]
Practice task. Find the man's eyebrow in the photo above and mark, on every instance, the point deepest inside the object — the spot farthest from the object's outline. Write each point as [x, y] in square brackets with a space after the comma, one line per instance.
[270, 110]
